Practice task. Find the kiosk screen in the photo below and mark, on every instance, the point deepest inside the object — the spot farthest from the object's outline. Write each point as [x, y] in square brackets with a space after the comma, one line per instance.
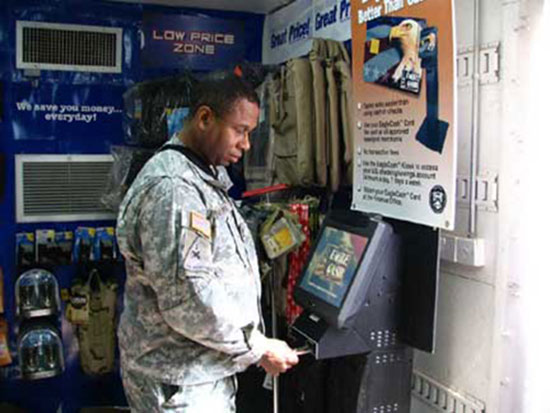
[333, 265]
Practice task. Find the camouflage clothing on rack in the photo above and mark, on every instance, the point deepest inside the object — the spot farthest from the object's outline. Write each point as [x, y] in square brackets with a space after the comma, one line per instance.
[192, 297]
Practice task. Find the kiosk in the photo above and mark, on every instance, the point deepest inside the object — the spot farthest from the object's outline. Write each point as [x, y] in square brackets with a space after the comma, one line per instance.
[363, 309]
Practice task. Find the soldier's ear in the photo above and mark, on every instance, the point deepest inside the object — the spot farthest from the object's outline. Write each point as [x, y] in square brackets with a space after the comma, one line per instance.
[204, 117]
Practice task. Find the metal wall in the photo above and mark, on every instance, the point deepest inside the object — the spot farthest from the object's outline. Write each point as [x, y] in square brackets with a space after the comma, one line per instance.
[477, 354]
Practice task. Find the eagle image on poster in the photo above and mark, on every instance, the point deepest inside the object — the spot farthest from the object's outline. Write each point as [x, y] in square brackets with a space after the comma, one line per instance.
[392, 53]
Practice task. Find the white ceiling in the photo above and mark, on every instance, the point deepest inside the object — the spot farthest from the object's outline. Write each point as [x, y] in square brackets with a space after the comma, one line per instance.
[253, 6]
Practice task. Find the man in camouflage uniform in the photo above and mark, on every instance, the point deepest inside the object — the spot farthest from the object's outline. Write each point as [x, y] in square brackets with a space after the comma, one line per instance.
[191, 316]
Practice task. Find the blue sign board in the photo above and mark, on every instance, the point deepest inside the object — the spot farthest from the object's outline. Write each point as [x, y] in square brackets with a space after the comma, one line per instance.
[192, 42]
[55, 111]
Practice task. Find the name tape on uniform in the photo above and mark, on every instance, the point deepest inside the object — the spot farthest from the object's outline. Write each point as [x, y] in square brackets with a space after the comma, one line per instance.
[200, 224]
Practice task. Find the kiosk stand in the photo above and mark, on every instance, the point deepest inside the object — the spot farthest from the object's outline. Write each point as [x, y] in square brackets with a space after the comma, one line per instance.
[358, 308]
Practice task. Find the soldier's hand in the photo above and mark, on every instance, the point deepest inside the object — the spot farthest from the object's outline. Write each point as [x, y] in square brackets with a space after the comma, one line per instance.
[278, 358]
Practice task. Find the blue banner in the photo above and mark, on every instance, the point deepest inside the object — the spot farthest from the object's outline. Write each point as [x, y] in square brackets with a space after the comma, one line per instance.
[54, 111]
[192, 42]
[289, 31]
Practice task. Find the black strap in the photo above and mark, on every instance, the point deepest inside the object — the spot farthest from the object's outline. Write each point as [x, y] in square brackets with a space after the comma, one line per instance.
[193, 157]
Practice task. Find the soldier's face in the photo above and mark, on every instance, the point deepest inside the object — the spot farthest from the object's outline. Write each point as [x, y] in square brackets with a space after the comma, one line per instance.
[228, 138]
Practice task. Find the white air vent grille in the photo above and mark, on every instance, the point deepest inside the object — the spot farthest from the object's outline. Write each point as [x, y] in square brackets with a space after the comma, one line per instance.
[61, 187]
[54, 46]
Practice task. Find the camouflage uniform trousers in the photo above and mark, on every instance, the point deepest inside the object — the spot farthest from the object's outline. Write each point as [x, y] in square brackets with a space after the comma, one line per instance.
[145, 395]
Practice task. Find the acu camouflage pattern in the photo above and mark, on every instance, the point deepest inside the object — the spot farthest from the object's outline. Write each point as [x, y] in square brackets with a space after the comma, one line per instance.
[96, 337]
[192, 303]
[149, 396]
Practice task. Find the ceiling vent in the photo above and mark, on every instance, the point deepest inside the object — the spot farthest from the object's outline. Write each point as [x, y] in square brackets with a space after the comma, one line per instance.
[56, 188]
[55, 46]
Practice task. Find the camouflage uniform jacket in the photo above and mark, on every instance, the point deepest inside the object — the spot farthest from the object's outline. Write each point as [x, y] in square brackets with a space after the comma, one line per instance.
[192, 296]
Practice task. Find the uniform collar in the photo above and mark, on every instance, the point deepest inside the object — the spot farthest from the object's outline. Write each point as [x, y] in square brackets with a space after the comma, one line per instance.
[216, 176]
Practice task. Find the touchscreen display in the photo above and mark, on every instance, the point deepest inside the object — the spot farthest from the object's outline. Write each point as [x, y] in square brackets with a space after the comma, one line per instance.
[333, 265]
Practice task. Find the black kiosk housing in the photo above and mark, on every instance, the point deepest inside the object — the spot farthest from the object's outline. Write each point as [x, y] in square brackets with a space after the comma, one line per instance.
[368, 291]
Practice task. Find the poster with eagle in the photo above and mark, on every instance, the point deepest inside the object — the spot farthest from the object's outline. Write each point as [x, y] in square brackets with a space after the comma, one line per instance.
[404, 109]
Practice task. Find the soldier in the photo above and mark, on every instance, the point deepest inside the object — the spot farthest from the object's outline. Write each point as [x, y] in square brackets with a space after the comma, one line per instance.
[192, 316]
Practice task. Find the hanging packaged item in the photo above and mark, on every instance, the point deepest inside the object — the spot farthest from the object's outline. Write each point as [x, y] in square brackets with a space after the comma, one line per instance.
[52, 248]
[45, 246]
[258, 161]
[24, 249]
[280, 233]
[175, 118]
[147, 106]
[40, 351]
[63, 247]
[5, 356]
[94, 317]
[127, 162]
[83, 243]
[1, 290]
[254, 73]
[36, 294]
[104, 244]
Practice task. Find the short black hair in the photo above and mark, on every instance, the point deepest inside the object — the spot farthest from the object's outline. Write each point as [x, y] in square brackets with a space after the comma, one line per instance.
[220, 93]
